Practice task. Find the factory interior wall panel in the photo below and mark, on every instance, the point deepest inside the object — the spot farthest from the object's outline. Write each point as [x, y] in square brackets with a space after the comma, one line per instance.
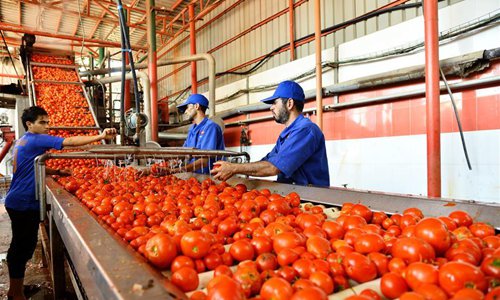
[412, 32]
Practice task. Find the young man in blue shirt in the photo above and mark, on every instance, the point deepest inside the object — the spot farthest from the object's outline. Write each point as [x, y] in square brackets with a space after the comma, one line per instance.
[20, 202]
[299, 156]
[203, 134]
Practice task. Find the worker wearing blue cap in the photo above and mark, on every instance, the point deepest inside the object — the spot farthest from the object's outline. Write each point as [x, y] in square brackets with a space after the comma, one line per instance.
[299, 156]
[203, 134]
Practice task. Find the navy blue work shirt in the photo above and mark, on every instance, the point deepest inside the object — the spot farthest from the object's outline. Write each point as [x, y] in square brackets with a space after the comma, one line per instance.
[21, 195]
[300, 154]
[208, 136]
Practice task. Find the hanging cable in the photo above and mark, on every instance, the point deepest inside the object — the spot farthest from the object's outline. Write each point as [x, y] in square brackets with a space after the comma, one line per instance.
[457, 117]
[11, 59]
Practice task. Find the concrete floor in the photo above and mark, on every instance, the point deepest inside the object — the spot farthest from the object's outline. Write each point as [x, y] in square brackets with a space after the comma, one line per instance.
[36, 272]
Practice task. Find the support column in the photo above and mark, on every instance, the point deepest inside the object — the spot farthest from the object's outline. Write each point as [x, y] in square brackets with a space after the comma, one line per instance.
[319, 70]
[433, 118]
[192, 40]
[291, 26]
[152, 67]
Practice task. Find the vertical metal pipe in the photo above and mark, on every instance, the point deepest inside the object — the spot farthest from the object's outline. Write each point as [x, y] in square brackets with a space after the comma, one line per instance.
[192, 40]
[432, 98]
[319, 71]
[152, 67]
[291, 23]
[126, 90]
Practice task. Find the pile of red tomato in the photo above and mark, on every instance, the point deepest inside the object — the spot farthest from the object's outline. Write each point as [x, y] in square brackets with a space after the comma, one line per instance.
[284, 251]
[65, 105]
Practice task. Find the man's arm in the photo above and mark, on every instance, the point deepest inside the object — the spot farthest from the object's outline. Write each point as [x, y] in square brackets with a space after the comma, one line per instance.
[224, 170]
[81, 140]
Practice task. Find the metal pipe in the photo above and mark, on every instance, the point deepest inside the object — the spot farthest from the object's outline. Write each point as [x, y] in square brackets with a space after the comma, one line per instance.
[291, 28]
[456, 87]
[200, 56]
[39, 64]
[57, 82]
[192, 43]
[172, 136]
[433, 118]
[152, 69]
[319, 68]
[146, 89]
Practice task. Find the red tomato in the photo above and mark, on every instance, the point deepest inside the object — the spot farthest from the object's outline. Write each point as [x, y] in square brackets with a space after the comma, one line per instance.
[469, 294]
[262, 244]
[195, 244]
[461, 218]
[454, 276]
[491, 266]
[418, 273]
[434, 231]
[359, 267]
[411, 296]
[381, 261]
[318, 246]
[181, 261]
[161, 250]
[412, 249]
[242, 250]
[431, 292]
[482, 230]
[393, 285]
[287, 240]
[224, 287]
[362, 211]
[369, 242]
[266, 261]
[276, 289]
[323, 281]
[249, 279]
[371, 294]
[287, 257]
[310, 293]
[186, 279]
[223, 270]
[212, 260]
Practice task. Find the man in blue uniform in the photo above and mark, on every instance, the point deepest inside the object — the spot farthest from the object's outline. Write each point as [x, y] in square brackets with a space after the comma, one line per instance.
[20, 202]
[299, 156]
[203, 134]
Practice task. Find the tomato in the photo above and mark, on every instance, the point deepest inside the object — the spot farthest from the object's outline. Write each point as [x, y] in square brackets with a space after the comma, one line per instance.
[310, 293]
[224, 287]
[262, 244]
[323, 281]
[482, 230]
[491, 266]
[223, 270]
[418, 273]
[393, 285]
[369, 242]
[413, 211]
[359, 267]
[181, 261]
[212, 260]
[412, 249]
[287, 257]
[492, 242]
[242, 250]
[469, 294]
[434, 231]
[362, 211]
[287, 240]
[302, 283]
[461, 218]
[249, 279]
[161, 250]
[454, 276]
[494, 294]
[381, 261]
[353, 221]
[318, 246]
[186, 279]
[371, 294]
[276, 289]
[198, 295]
[195, 244]
[378, 217]
[267, 261]
[431, 292]
[450, 224]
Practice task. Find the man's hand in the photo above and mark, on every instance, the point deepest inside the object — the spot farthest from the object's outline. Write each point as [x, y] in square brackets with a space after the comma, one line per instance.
[223, 170]
[108, 133]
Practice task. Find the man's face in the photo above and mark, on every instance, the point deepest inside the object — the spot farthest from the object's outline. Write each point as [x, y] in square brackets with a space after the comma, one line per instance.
[40, 126]
[280, 112]
[190, 111]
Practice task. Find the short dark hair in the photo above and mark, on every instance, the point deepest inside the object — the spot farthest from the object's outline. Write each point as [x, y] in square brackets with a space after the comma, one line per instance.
[31, 114]
[203, 109]
[298, 104]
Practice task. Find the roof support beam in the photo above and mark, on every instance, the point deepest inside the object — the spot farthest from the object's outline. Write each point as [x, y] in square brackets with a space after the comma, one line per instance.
[106, 9]
[20, 29]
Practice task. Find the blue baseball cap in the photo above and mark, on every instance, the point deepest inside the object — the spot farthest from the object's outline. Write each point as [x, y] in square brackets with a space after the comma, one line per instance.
[193, 99]
[287, 89]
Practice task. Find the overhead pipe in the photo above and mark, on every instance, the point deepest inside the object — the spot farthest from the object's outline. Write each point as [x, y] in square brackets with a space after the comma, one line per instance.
[455, 87]
[200, 56]
[433, 117]
[319, 68]
[192, 44]
[146, 89]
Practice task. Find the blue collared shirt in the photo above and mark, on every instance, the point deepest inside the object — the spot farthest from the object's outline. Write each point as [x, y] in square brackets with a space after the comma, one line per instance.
[21, 195]
[208, 136]
[300, 154]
